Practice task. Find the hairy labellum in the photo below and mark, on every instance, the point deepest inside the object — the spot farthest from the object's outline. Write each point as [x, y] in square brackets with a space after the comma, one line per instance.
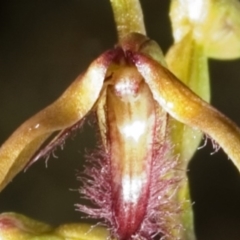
[129, 183]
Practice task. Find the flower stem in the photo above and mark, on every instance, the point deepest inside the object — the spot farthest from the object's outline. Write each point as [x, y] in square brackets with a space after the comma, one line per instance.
[128, 17]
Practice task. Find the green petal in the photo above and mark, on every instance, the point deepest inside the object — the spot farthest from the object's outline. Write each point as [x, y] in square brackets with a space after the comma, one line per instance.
[71, 107]
[185, 106]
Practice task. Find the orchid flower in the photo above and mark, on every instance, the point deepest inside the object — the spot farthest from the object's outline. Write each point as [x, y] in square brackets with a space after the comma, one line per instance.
[151, 112]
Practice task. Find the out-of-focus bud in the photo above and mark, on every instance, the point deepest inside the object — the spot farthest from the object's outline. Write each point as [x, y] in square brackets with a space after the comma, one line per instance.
[215, 24]
[82, 231]
[15, 226]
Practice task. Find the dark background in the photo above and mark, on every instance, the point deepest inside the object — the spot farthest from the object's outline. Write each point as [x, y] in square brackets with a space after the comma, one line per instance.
[44, 45]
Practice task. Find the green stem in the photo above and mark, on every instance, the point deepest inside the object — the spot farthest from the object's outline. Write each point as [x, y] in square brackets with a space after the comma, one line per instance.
[186, 216]
[128, 17]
